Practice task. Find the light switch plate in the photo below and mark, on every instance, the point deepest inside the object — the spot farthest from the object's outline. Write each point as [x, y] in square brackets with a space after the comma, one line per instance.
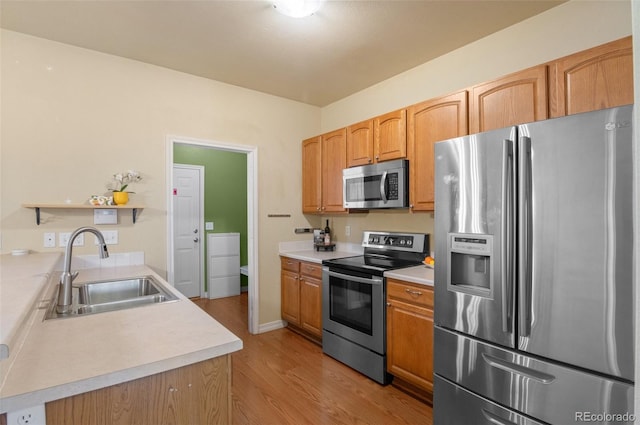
[63, 239]
[110, 237]
[208, 225]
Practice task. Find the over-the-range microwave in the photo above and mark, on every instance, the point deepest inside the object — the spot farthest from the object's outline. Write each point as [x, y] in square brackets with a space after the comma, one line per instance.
[381, 185]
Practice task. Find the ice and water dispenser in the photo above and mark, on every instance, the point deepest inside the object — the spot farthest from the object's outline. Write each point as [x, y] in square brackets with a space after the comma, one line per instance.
[470, 263]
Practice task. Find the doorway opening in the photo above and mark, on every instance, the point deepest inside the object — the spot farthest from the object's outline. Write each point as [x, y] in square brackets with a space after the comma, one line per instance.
[251, 214]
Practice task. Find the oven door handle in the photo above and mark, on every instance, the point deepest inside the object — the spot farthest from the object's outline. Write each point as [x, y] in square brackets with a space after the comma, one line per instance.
[366, 281]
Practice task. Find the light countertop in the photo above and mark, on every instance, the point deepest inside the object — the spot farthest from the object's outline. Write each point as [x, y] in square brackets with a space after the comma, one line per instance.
[63, 357]
[422, 275]
[305, 251]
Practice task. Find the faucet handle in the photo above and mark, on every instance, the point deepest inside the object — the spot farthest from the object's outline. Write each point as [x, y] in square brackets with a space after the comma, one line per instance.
[74, 275]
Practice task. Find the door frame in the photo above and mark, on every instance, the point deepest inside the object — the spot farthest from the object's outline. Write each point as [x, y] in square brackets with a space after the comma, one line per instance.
[252, 213]
[203, 240]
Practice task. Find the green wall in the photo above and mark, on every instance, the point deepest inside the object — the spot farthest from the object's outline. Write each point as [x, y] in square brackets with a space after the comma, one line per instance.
[225, 191]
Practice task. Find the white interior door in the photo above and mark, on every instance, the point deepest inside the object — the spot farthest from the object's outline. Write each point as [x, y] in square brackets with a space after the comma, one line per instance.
[187, 232]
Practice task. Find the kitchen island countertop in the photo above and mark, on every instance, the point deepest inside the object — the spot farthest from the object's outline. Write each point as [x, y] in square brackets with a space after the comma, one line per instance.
[63, 357]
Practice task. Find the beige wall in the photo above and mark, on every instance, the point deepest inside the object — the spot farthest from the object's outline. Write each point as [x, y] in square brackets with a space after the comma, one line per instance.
[565, 29]
[72, 117]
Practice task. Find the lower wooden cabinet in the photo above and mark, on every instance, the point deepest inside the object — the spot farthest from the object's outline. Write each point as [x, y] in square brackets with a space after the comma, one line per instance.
[194, 394]
[301, 290]
[410, 334]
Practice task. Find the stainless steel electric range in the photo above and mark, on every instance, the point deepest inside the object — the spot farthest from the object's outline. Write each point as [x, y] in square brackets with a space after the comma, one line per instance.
[353, 299]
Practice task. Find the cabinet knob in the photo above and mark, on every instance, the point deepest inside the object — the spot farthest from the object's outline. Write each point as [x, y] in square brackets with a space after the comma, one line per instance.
[388, 304]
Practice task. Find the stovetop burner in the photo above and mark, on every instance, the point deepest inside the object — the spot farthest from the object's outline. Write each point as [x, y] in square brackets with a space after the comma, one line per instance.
[385, 251]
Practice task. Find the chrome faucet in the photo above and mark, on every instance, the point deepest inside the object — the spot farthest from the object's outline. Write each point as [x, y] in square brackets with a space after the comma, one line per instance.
[64, 290]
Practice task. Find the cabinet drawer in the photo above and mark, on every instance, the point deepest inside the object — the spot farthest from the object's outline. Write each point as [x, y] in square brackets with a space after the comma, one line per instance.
[290, 264]
[421, 295]
[311, 269]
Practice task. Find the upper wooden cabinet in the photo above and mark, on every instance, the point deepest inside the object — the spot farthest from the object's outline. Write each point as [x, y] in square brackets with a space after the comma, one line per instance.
[323, 159]
[360, 143]
[312, 175]
[428, 122]
[334, 160]
[598, 78]
[390, 136]
[383, 138]
[517, 98]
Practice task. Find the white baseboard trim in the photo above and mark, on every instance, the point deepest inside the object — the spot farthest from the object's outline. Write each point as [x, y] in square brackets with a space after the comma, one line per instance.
[272, 326]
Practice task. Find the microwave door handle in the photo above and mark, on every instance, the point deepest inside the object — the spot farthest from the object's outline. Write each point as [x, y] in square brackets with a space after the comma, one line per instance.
[383, 185]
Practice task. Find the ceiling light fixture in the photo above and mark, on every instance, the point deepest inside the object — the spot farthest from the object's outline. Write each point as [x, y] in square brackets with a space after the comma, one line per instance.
[297, 8]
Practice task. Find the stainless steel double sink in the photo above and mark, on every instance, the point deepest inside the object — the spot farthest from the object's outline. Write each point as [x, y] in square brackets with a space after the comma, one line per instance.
[110, 295]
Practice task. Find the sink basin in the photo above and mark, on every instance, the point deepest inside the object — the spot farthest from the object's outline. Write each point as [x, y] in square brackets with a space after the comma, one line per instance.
[117, 290]
[111, 295]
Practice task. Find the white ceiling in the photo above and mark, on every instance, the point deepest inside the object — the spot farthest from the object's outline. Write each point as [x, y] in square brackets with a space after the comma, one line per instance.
[345, 47]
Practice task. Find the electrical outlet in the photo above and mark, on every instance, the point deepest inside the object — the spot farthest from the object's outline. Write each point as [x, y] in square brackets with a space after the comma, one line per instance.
[49, 240]
[63, 239]
[110, 237]
[30, 416]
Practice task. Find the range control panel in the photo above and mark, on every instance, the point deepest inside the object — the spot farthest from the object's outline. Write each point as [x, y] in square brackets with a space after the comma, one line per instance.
[400, 241]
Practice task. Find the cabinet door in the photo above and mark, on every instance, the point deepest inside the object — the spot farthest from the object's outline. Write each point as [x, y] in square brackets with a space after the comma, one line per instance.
[597, 78]
[311, 305]
[360, 143]
[429, 122]
[334, 160]
[514, 99]
[290, 291]
[391, 136]
[410, 343]
[312, 175]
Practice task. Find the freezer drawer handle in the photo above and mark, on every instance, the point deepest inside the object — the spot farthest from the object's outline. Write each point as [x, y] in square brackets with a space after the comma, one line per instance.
[536, 375]
[492, 418]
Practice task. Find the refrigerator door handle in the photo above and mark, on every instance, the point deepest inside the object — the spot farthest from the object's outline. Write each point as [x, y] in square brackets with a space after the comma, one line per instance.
[524, 233]
[517, 369]
[492, 418]
[508, 223]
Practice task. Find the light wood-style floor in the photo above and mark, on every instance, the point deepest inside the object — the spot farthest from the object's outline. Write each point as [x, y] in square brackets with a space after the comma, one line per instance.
[280, 378]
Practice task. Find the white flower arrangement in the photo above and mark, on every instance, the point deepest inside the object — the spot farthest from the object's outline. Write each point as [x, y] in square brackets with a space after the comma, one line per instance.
[124, 179]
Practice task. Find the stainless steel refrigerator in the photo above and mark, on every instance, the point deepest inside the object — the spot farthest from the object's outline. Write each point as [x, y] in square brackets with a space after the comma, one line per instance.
[534, 298]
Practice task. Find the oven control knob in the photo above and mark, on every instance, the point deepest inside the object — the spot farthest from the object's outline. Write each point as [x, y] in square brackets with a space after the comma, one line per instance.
[402, 242]
[409, 241]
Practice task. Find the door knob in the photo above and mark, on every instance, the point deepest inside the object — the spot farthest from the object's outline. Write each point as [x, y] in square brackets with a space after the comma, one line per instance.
[195, 230]
[196, 239]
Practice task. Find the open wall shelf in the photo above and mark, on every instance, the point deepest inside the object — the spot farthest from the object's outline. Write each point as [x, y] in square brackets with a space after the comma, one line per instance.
[62, 206]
